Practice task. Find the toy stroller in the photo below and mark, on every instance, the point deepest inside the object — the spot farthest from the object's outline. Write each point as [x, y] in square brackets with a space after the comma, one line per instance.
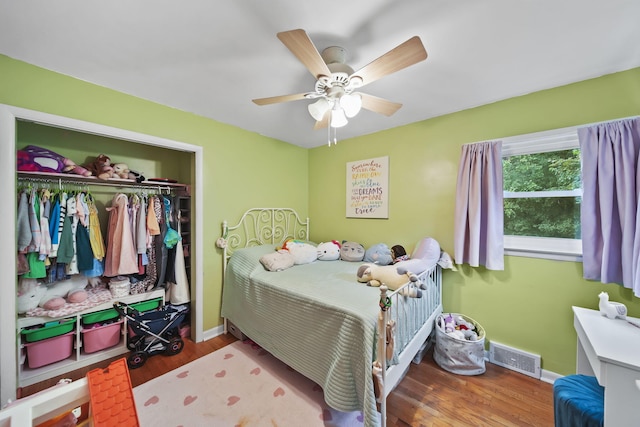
[154, 332]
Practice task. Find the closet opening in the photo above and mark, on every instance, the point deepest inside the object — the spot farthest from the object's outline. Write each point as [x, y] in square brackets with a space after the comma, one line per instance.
[172, 171]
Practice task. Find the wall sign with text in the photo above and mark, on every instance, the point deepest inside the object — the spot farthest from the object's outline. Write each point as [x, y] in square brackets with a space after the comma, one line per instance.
[368, 188]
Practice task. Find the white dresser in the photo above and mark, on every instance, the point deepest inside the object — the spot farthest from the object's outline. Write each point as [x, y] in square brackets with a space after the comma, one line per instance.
[610, 350]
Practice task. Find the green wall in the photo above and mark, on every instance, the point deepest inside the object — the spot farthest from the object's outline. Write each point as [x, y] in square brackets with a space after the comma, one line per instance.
[241, 169]
[528, 305]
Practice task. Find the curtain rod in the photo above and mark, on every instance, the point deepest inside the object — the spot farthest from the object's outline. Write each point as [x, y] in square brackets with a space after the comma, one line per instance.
[532, 135]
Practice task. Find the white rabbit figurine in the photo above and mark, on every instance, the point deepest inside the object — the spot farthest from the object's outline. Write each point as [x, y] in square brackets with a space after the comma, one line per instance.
[611, 309]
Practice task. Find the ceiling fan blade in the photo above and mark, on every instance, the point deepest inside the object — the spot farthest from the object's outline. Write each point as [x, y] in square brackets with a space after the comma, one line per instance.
[281, 98]
[402, 56]
[299, 43]
[320, 124]
[379, 105]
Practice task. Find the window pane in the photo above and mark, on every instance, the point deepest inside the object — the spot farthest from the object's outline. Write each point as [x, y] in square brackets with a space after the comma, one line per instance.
[556, 170]
[543, 217]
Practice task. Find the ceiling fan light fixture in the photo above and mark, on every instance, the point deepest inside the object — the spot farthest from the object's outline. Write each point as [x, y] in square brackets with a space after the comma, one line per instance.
[351, 103]
[319, 108]
[338, 118]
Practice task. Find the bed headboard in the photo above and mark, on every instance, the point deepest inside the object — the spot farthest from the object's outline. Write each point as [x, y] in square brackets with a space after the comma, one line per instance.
[260, 226]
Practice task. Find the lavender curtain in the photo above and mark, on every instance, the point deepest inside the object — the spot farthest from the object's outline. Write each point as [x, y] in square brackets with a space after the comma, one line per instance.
[610, 212]
[478, 233]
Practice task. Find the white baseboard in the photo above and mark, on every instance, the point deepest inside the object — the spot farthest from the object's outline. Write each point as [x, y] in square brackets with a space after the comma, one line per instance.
[212, 333]
[549, 377]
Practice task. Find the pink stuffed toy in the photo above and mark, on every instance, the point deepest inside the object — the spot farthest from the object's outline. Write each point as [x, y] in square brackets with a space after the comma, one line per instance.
[71, 167]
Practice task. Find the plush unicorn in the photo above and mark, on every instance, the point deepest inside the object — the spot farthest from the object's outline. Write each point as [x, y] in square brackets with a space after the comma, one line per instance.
[611, 309]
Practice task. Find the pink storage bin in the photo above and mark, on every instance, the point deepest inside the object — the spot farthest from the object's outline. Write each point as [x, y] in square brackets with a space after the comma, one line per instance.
[45, 352]
[101, 337]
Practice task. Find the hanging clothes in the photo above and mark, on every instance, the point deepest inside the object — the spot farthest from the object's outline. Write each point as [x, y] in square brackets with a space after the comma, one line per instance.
[83, 243]
[141, 227]
[54, 221]
[95, 232]
[24, 229]
[178, 292]
[170, 238]
[121, 254]
[45, 212]
[62, 202]
[34, 222]
[66, 248]
[37, 268]
[162, 252]
[72, 266]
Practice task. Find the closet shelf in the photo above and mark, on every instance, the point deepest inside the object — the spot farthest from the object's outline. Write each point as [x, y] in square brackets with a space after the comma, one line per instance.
[92, 180]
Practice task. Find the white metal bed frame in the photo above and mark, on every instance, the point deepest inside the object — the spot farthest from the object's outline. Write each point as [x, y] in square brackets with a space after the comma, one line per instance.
[259, 226]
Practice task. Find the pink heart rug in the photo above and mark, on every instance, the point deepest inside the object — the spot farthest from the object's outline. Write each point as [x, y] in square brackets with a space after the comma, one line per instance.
[238, 385]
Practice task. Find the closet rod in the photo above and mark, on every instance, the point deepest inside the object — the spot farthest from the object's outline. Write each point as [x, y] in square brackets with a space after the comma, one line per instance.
[81, 180]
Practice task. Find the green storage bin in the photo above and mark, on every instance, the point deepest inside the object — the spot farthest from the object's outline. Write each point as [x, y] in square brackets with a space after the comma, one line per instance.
[49, 330]
[99, 316]
[152, 304]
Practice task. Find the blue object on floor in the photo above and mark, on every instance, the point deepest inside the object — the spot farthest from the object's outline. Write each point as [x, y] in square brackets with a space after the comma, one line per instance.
[578, 401]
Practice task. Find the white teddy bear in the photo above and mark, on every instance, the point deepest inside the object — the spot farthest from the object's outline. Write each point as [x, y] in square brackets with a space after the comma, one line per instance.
[32, 294]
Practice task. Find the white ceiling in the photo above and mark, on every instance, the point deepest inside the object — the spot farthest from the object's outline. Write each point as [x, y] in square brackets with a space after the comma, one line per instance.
[213, 57]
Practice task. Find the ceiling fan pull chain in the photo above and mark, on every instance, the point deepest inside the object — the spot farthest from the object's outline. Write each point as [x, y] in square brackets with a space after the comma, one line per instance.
[331, 138]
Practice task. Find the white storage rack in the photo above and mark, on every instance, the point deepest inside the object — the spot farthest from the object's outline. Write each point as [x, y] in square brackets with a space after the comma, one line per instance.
[78, 358]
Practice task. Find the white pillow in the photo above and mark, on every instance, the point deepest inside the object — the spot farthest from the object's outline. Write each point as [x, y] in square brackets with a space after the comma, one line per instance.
[277, 261]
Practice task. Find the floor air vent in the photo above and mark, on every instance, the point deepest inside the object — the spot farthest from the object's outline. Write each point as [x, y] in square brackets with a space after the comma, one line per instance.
[517, 360]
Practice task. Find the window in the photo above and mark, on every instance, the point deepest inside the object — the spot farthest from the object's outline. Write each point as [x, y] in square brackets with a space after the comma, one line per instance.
[542, 195]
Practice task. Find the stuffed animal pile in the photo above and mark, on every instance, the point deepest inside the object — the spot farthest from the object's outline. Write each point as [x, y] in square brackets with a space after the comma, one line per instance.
[32, 294]
[103, 168]
[37, 159]
[382, 266]
[457, 327]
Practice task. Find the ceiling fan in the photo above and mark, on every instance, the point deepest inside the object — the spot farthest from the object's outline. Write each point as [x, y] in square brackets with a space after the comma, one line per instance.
[336, 82]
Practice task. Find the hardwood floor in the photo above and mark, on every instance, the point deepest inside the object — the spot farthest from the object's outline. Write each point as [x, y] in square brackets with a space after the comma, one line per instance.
[427, 396]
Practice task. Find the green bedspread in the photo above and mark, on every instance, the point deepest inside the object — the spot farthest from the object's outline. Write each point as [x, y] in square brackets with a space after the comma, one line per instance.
[315, 317]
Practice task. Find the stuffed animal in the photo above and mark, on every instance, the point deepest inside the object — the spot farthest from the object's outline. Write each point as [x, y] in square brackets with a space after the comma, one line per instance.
[449, 323]
[611, 309]
[303, 252]
[457, 327]
[71, 167]
[424, 256]
[121, 170]
[445, 261]
[376, 275]
[32, 294]
[137, 176]
[378, 254]
[329, 251]
[351, 251]
[398, 253]
[101, 167]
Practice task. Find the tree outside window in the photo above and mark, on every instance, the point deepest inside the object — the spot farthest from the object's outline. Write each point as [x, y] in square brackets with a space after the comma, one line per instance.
[543, 194]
